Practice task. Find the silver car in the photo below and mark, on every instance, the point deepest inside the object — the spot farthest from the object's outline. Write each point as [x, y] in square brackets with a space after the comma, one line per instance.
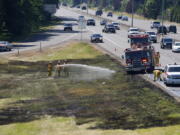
[176, 47]
[5, 46]
[171, 74]
[152, 36]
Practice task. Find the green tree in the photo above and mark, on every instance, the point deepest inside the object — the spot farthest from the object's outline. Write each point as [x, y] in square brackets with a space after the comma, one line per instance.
[152, 8]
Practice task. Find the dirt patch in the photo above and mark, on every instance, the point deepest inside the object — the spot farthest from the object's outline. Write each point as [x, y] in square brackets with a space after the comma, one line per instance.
[82, 92]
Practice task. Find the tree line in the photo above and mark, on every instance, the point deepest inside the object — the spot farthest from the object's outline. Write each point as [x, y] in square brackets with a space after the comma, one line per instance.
[147, 8]
[20, 17]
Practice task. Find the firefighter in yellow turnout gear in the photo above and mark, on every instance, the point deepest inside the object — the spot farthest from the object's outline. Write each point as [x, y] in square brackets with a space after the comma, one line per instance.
[157, 74]
[157, 58]
[50, 67]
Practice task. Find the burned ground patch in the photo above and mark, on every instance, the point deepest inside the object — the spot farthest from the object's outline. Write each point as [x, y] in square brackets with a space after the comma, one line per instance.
[123, 101]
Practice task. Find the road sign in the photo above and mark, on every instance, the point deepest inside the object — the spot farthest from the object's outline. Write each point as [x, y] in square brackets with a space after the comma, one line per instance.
[82, 24]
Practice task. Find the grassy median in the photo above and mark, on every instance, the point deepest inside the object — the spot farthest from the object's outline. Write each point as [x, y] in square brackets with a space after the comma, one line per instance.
[33, 104]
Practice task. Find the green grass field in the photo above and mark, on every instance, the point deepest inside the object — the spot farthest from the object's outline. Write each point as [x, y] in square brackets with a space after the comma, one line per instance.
[33, 104]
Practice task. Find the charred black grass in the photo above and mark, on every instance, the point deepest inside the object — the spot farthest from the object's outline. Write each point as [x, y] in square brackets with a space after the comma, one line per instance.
[123, 102]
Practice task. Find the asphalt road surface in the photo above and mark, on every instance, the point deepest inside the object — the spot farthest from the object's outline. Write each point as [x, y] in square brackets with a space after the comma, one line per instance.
[114, 43]
[139, 23]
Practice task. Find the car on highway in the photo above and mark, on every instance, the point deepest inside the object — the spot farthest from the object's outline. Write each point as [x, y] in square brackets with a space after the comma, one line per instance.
[91, 22]
[133, 31]
[64, 4]
[81, 18]
[103, 22]
[166, 42]
[5, 46]
[162, 30]
[6, 43]
[98, 38]
[68, 27]
[152, 36]
[155, 24]
[176, 47]
[116, 25]
[124, 18]
[171, 74]
[84, 8]
[119, 17]
[110, 14]
[172, 28]
[109, 28]
[99, 12]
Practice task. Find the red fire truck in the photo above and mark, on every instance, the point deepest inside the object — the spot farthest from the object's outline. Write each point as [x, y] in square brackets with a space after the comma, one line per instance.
[140, 56]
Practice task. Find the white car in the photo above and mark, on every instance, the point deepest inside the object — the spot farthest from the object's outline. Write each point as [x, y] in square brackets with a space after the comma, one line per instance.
[176, 47]
[171, 74]
[133, 31]
[155, 24]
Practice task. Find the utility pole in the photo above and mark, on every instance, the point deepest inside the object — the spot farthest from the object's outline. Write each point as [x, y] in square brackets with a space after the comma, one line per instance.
[162, 17]
[132, 20]
[162, 14]
[87, 6]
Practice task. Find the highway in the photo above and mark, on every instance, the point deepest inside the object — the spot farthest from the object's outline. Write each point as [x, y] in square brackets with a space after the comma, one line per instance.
[114, 43]
[143, 24]
[117, 43]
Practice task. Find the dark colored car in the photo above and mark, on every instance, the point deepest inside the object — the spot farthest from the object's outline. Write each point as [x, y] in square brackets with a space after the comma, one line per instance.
[172, 28]
[110, 14]
[68, 27]
[84, 8]
[64, 4]
[91, 22]
[124, 18]
[103, 22]
[162, 30]
[97, 38]
[119, 17]
[78, 6]
[99, 12]
[109, 29]
[166, 42]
